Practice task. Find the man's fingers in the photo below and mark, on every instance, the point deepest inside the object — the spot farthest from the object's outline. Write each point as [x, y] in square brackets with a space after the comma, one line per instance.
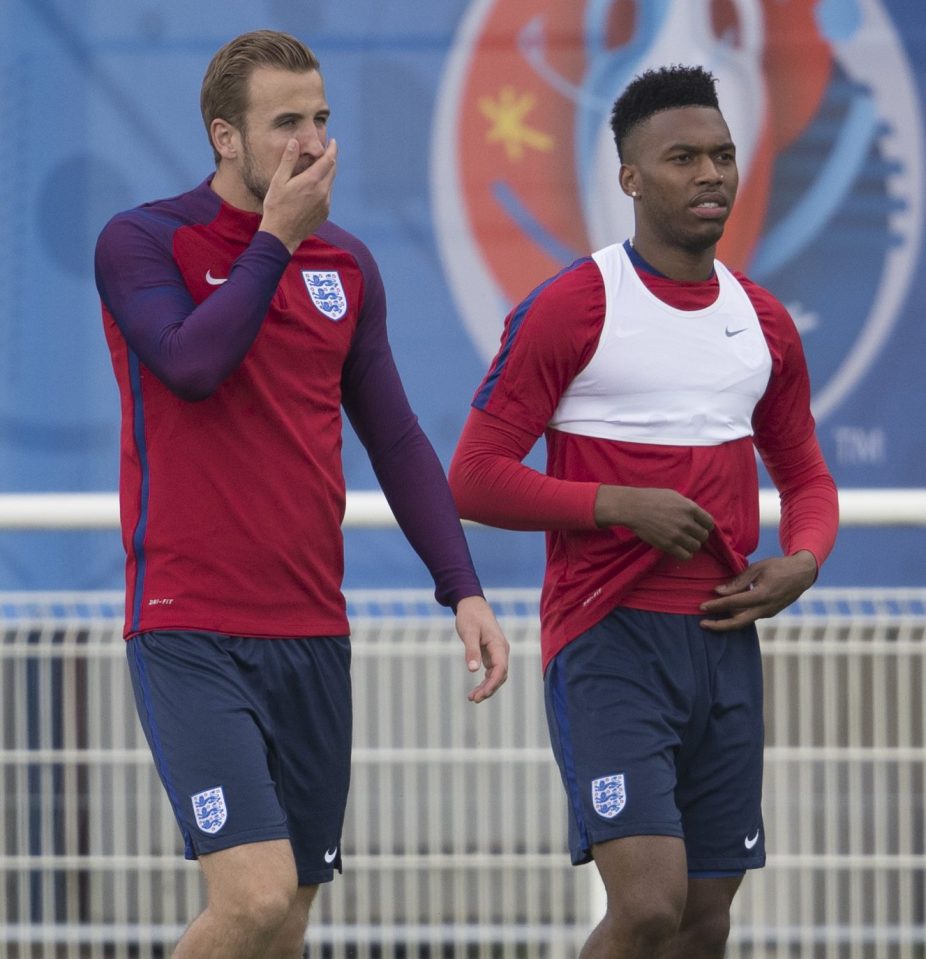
[687, 543]
[728, 624]
[484, 644]
[496, 654]
[493, 654]
[496, 674]
[287, 162]
[743, 598]
[324, 167]
[472, 651]
[735, 611]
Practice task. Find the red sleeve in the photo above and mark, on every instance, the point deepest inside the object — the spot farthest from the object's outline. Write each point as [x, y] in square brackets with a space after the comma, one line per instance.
[548, 339]
[786, 440]
[809, 502]
[491, 484]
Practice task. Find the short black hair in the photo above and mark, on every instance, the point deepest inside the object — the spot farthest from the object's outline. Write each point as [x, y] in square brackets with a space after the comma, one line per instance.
[662, 89]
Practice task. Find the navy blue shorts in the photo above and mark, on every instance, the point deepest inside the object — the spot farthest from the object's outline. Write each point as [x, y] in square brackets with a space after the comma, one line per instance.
[657, 727]
[251, 738]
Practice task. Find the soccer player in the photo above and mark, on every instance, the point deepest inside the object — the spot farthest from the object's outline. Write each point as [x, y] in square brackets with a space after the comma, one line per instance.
[240, 320]
[653, 372]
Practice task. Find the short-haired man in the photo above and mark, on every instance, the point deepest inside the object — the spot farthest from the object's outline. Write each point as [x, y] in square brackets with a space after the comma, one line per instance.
[240, 321]
[654, 372]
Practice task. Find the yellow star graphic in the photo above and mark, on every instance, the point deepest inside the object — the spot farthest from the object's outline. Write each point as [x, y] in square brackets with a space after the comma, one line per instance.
[507, 114]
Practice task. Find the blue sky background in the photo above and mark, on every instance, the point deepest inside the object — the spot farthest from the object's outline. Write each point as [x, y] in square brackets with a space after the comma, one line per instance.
[99, 108]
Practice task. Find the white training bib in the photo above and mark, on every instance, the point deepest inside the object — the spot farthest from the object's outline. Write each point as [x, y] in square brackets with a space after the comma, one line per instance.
[665, 376]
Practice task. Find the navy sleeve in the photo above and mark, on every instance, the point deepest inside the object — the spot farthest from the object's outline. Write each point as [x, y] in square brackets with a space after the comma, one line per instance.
[403, 459]
[191, 348]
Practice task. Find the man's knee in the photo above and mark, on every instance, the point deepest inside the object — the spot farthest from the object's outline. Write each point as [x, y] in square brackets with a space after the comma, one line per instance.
[706, 934]
[706, 924]
[646, 883]
[651, 921]
[290, 939]
[253, 886]
[264, 907]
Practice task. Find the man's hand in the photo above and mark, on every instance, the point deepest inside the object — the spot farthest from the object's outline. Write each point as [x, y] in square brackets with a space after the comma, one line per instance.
[296, 206]
[661, 517]
[484, 643]
[762, 589]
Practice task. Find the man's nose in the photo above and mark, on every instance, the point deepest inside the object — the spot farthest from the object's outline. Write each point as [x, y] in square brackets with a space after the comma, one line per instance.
[710, 171]
[313, 142]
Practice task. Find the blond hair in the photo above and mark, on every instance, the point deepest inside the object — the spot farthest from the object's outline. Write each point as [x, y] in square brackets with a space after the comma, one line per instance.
[224, 93]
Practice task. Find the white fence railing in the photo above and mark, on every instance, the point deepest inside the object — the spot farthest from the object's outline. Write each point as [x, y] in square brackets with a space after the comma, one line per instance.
[455, 836]
[368, 508]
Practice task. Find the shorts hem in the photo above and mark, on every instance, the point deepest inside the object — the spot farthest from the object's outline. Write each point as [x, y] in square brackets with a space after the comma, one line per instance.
[218, 843]
[583, 854]
[726, 865]
[316, 878]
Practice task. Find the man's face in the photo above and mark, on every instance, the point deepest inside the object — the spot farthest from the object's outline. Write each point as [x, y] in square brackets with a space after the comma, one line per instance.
[682, 163]
[281, 105]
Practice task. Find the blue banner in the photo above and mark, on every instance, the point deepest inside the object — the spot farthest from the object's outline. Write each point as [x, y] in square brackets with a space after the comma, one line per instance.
[475, 160]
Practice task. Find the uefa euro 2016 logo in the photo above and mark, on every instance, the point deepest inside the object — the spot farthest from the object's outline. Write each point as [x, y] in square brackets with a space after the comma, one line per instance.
[820, 100]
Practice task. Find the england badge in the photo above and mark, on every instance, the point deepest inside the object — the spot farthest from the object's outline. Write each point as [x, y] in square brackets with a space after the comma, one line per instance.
[609, 795]
[210, 809]
[326, 292]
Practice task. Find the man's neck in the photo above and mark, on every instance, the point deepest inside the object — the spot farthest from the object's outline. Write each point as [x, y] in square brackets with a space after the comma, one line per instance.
[674, 263]
[230, 188]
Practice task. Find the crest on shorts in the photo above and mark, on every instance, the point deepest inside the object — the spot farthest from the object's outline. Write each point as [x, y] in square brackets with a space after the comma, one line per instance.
[609, 795]
[210, 809]
[326, 291]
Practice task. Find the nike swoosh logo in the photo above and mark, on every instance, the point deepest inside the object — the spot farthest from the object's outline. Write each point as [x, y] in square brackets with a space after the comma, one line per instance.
[749, 843]
[218, 281]
[730, 332]
[330, 856]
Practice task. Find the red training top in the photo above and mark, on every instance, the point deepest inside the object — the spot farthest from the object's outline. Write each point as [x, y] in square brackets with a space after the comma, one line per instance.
[638, 380]
[233, 361]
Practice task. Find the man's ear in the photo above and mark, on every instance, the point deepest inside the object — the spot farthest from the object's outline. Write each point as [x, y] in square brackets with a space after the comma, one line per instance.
[629, 178]
[225, 138]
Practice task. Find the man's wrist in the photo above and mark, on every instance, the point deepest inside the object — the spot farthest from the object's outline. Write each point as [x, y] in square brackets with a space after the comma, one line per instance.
[806, 557]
